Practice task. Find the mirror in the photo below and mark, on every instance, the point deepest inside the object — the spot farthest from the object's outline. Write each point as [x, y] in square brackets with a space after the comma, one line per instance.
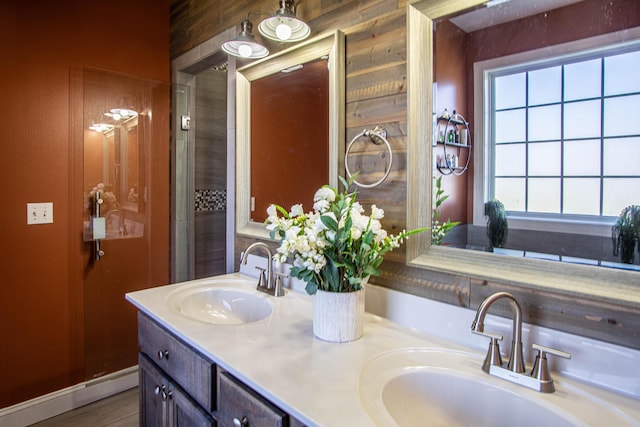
[587, 280]
[322, 51]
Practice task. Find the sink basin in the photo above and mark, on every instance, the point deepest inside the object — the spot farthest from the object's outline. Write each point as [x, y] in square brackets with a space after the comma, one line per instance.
[220, 303]
[437, 387]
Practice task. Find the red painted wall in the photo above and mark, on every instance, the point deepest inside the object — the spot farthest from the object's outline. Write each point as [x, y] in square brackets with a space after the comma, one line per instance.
[450, 71]
[40, 41]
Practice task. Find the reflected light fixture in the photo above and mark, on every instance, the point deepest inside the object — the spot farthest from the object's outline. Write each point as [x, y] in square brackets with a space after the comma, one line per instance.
[245, 45]
[101, 127]
[284, 26]
[121, 113]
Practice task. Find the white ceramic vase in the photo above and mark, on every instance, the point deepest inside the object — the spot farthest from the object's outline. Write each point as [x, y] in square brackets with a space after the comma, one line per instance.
[338, 316]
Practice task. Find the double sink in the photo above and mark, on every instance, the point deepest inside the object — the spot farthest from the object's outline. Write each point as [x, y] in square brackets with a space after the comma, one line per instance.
[415, 385]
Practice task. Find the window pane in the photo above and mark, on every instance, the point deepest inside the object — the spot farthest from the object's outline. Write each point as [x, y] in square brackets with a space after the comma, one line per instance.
[510, 126]
[619, 193]
[582, 119]
[510, 91]
[545, 86]
[544, 158]
[582, 157]
[582, 80]
[621, 115]
[582, 196]
[510, 191]
[510, 160]
[621, 73]
[622, 156]
[544, 195]
[544, 123]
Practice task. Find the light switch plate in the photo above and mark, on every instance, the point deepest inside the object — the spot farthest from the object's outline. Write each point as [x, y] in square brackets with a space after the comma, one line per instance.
[40, 213]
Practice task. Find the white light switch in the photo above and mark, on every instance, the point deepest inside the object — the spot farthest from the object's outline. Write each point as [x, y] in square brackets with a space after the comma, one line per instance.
[40, 213]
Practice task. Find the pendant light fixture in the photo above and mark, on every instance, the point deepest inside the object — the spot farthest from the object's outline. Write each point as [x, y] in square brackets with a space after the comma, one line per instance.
[245, 45]
[284, 26]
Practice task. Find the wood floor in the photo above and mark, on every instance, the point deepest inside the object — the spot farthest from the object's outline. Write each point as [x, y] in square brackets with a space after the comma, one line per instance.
[120, 410]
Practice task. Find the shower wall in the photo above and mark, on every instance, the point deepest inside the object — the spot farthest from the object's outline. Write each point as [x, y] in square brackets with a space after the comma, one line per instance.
[210, 198]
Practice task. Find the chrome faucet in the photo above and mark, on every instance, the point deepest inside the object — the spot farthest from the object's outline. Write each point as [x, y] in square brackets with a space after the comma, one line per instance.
[540, 377]
[265, 284]
[516, 362]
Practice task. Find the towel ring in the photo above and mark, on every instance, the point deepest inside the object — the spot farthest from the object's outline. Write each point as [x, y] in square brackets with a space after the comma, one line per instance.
[377, 135]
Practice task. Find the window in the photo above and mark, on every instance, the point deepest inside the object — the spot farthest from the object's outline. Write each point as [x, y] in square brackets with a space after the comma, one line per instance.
[563, 136]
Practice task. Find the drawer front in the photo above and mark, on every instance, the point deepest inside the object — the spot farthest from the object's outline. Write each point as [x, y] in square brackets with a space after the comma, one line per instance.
[188, 368]
[240, 406]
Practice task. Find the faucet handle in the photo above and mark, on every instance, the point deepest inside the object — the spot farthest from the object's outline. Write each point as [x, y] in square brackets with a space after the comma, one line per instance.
[262, 280]
[493, 357]
[278, 290]
[491, 335]
[541, 370]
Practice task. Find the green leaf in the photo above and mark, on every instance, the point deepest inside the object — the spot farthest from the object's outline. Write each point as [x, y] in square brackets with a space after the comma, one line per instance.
[311, 288]
[329, 222]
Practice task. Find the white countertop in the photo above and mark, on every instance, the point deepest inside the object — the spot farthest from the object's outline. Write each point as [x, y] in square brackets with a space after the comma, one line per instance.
[279, 357]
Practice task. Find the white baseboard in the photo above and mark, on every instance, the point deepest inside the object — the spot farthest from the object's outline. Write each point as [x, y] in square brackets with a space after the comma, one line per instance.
[58, 402]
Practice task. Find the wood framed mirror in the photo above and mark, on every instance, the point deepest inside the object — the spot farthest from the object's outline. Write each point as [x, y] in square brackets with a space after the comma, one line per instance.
[618, 287]
[329, 49]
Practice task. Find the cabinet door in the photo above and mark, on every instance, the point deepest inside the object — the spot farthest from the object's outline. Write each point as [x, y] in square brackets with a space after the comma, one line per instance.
[184, 365]
[164, 404]
[241, 406]
[184, 412]
[153, 408]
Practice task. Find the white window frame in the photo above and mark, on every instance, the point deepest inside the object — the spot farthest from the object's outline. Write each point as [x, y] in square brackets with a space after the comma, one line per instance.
[482, 162]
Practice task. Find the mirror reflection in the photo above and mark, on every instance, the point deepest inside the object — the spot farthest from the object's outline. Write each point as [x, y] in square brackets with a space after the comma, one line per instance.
[548, 96]
[113, 122]
[290, 134]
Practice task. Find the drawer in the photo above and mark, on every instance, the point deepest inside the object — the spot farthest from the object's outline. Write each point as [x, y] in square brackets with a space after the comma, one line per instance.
[188, 368]
[241, 406]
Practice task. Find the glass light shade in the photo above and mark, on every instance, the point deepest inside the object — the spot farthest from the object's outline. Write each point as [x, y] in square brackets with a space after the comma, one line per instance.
[283, 26]
[245, 46]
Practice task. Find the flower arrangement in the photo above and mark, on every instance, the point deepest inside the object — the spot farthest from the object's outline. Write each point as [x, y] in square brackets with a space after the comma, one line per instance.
[439, 229]
[336, 246]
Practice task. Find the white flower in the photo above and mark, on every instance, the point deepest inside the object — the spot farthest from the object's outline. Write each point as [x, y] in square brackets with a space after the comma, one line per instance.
[296, 210]
[357, 207]
[272, 212]
[376, 212]
[356, 233]
[325, 193]
[321, 206]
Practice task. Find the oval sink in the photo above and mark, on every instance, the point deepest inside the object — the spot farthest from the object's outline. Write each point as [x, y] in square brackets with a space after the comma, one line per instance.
[436, 387]
[220, 305]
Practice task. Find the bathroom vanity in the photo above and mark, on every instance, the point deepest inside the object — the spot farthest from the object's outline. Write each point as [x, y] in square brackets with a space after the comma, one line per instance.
[200, 368]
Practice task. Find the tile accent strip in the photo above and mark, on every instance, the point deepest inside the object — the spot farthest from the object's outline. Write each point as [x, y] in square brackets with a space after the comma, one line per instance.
[210, 200]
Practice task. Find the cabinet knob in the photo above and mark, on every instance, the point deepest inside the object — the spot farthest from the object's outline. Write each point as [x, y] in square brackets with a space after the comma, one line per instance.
[237, 422]
[163, 354]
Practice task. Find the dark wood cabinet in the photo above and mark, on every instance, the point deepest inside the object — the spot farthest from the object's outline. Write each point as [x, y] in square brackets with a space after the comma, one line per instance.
[178, 387]
[165, 404]
[242, 407]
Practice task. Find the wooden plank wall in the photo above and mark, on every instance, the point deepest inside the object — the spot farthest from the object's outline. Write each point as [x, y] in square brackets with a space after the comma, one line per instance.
[376, 94]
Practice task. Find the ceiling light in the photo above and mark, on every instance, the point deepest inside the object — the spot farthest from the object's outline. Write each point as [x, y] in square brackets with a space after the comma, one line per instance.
[245, 45]
[283, 26]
